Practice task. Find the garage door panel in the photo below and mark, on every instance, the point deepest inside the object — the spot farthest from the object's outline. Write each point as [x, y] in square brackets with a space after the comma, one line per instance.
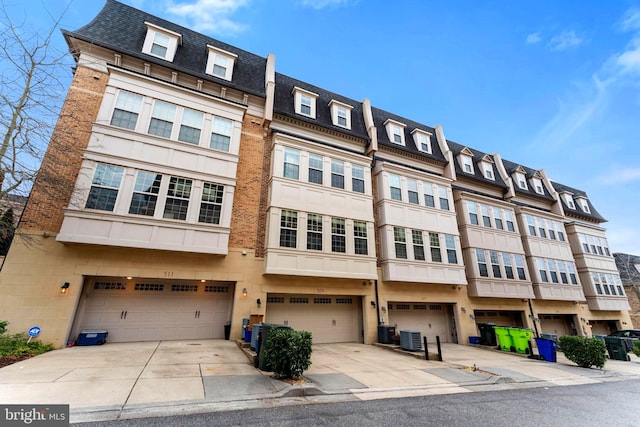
[147, 313]
[430, 319]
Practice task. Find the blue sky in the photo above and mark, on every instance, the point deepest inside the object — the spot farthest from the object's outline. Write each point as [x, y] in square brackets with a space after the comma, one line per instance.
[550, 84]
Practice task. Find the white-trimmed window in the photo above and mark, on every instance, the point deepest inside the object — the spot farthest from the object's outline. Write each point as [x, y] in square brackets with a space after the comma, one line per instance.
[495, 264]
[520, 266]
[532, 225]
[220, 63]
[508, 268]
[497, 218]
[211, 203]
[412, 191]
[537, 185]
[443, 195]
[315, 168]
[467, 163]
[473, 212]
[434, 243]
[422, 140]
[482, 263]
[361, 246]
[568, 199]
[291, 163]
[127, 110]
[427, 188]
[177, 202]
[509, 217]
[395, 131]
[191, 126]
[357, 178]
[450, 242]
[305, 102]
[395, 187]
[221, 130]
[418, 245]
[314, 232]
[145, 193]
[400, 242]
[337, 173]
[162, 118]
[584, 204]
[488, 171]
[521, 180]
[160, 42]
[340, 114]
[288, 229]
[338, 235]
[486, 217]
[104, 187]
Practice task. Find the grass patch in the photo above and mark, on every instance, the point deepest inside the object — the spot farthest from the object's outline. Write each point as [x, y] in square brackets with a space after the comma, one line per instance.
[15, 347]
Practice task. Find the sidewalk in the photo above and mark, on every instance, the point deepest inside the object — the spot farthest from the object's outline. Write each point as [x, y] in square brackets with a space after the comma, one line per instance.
[133, 380]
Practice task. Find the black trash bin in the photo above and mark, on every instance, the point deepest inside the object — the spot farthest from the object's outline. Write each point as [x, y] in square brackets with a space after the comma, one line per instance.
[264, 336]
[487, 334]
[227, 331]
[617, 348]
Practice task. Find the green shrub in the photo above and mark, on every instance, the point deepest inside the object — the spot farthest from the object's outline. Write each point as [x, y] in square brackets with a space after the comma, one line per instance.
[3, 326]
[583, 351]
[18, 344]
[636, 348]
[288, 352]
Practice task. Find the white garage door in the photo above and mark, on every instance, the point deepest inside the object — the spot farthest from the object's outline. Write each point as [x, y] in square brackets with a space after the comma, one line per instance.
[554, 324]
[156, 311]
[329, 318]
[430, 319]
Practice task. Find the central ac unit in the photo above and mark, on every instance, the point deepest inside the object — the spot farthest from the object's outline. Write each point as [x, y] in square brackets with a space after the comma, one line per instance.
[410, 340]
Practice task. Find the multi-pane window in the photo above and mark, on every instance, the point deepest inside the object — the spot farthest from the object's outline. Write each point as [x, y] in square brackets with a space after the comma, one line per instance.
[552, 270]
[520, 266]
[572, 273]
[400, 241]
[618, 284]
[428, 195]
[563, 273]
[288, 229]
[434, 243]
[482, 263]
[508, 268]
[221, 134]
[314, 232]
[338, 235]
[360, 237]
[396, 133]
[531, 224]
[444, 198]
[177, 202]
[559, 230]
[541, 229]
[542, 269]
[551, 229]
[495, 264]
[473, 212]
[394, 187]
[341, 116]
[160, 45]
[486, 219]
[291, 163]
[145, 193]
[424, 143]
[488, 172]
[191, 126]
[305, 104]
[595, 278]
[315, 168]
[211, 203]
[467, 166]
[357, 178]
[594, 245]
[337, 173]
[509, 217]
[497, 218]
[418, 245]
[162, 118]
[450, 242]
[220, 65]
[127, 109]
[412, 188]
[104, 187]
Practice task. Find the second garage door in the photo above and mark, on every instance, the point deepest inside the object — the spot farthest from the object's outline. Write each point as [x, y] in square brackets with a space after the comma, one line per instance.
[430, 319]
[329, 318]
[149, 311]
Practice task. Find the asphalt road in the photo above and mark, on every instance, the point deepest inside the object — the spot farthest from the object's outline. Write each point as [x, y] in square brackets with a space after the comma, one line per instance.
[603, 404]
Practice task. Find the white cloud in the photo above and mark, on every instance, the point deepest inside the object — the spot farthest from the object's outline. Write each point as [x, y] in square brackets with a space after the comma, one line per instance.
[565, 40]
[627, 62]
[621, 176]
[322, 4]
[209, 16]
[533, 38]
[631, 20]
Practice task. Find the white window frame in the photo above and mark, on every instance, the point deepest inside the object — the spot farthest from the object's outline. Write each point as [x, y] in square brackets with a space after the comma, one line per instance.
[537, 186]
[338, 110]
[466, 163]
[421, 137]
[175, 39]
[522, 181]
[298, 94]
[568, 199]
[488, 171]
[584, 205]
[395, 128]
[214, 55]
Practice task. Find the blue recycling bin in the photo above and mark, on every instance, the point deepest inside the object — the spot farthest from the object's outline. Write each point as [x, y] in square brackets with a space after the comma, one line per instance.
[547, 349]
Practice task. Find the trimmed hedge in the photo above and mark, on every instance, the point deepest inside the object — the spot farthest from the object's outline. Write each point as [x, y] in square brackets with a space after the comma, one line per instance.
[583, 351]
[636, 348]
[288, 352]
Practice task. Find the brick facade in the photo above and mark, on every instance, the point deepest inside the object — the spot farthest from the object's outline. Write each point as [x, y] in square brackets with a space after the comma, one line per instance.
[60, 166]
[264, 195]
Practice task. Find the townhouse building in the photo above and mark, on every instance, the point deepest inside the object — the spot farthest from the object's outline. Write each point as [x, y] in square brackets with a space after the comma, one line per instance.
[198, 186]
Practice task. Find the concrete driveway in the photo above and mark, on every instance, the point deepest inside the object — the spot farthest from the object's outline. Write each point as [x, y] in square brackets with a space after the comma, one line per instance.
[168, 377]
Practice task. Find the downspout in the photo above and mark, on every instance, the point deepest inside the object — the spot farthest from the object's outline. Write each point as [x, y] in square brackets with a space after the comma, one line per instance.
[533, 318]
[375, 282]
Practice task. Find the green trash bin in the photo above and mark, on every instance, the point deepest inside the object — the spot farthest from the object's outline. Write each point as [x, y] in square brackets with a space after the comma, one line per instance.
[521, 339]
[266, 329]
[617, 348]
[504, 339]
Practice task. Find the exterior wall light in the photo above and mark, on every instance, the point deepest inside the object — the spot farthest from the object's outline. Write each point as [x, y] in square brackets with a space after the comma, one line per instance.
[244, 292]
[258, 302]
[64, 288]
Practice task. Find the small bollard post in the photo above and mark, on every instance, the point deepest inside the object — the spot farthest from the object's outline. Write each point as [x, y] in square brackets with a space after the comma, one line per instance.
[439, 349]
[426, 349]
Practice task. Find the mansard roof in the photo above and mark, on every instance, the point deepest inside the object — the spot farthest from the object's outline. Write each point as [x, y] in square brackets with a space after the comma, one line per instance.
[121, 28]
[478, 174]
[284, 104]
[577, 211]
[381, 116]
[512, 167]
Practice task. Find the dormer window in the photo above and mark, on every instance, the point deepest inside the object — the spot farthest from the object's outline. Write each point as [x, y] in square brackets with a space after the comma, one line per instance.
[521, 180]
[488, 171]
[466, 160]
[422, 140]
[568, 199]
[160, 42]
[305, 102]
[395, 131]
[537, 185]
[220, 63]
[584, 204]
[340, 114]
